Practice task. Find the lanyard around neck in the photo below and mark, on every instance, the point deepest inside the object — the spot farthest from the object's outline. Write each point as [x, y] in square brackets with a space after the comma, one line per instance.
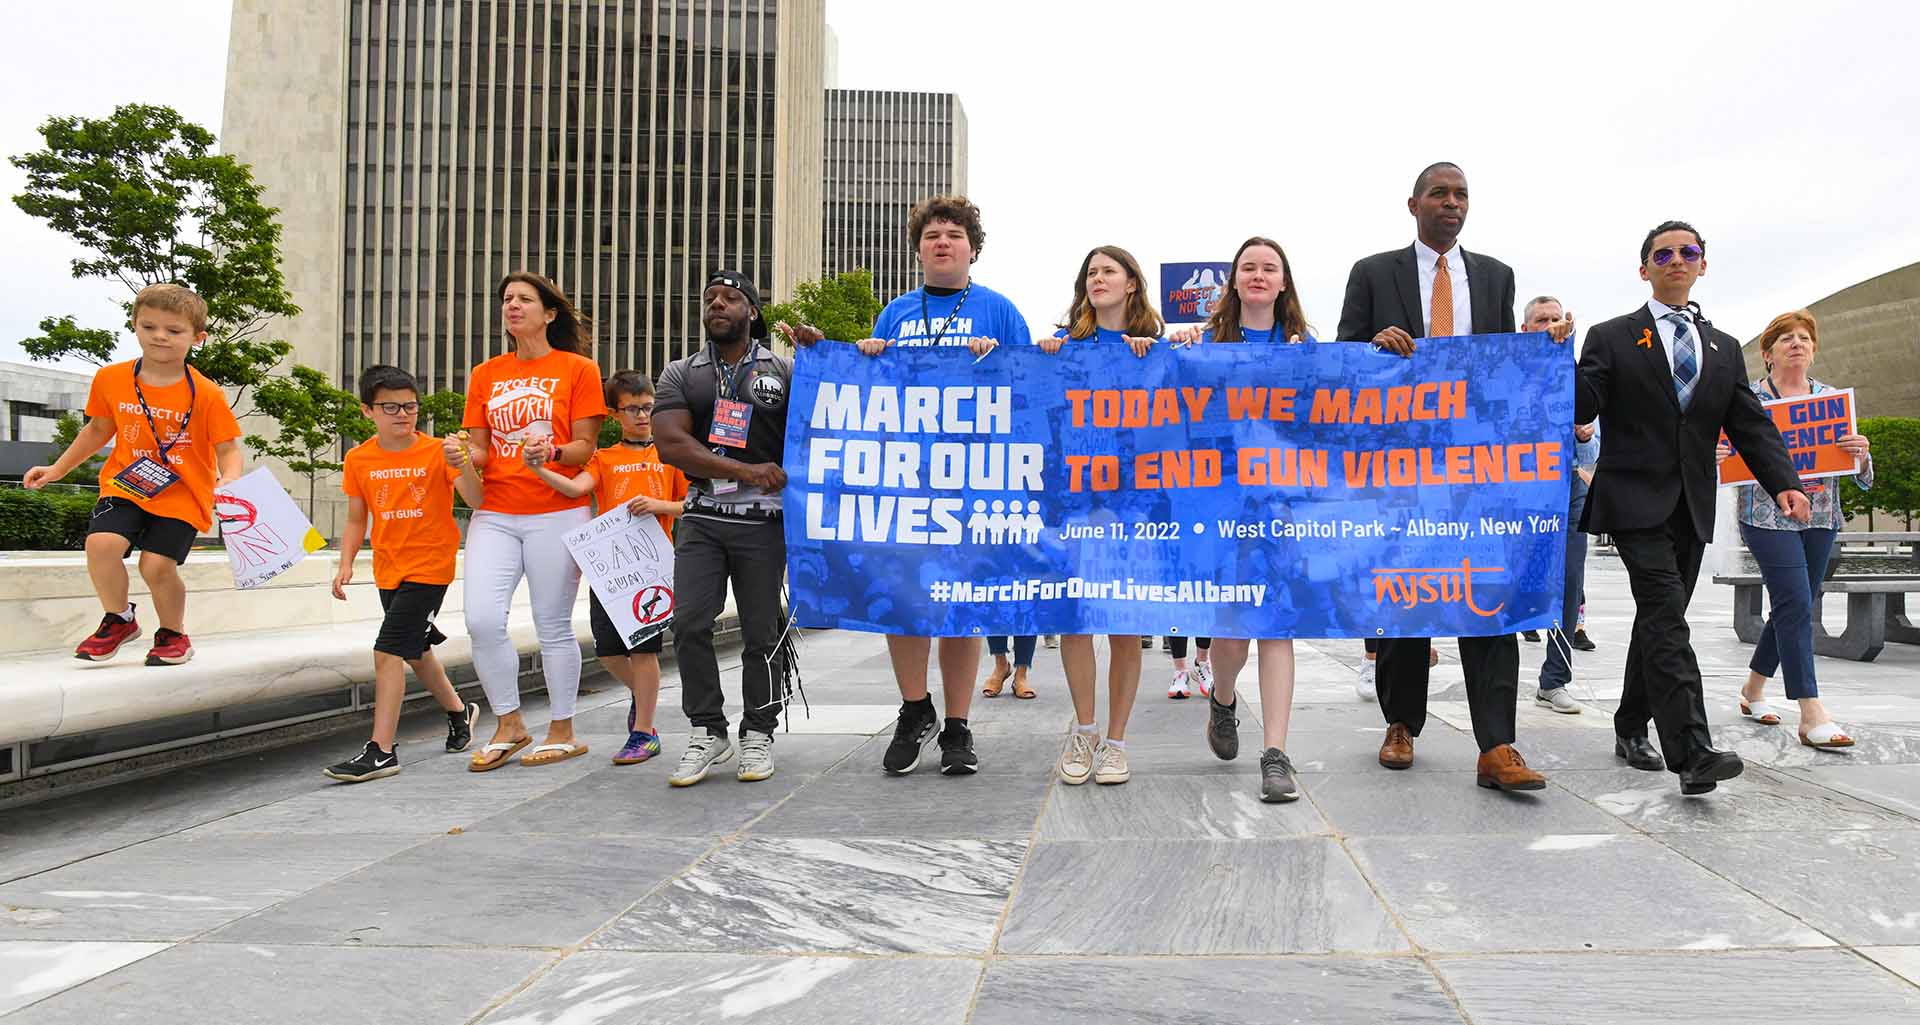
[192, 395]
[728, 385]
[926, 320]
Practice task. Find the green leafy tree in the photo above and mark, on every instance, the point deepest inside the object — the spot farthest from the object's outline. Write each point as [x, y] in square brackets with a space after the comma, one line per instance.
[314, 417]
[144, 193]
[65, 430]
[1896, 470]
[842, 306]
[441, 412]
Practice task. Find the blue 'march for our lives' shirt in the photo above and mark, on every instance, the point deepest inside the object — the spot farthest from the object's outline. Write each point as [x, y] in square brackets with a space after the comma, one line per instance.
[918, 318]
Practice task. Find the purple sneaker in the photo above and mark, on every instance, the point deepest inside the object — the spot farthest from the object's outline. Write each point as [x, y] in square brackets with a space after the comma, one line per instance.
[639, 747]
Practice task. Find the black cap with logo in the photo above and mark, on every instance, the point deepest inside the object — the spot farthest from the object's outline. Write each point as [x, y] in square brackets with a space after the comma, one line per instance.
[744, 285]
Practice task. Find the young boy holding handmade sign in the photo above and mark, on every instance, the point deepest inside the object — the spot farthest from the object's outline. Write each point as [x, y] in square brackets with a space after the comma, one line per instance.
[631, 473]
[404, 482]
[177, 442]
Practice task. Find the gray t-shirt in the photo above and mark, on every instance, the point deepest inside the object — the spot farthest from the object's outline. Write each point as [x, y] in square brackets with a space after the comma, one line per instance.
[763, 382]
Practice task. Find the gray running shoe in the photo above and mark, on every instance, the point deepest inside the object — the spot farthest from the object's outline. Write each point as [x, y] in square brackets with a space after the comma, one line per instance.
[705, 749]
[1557, 699]
[1276, 777]
[756, 757]
[1223, 728]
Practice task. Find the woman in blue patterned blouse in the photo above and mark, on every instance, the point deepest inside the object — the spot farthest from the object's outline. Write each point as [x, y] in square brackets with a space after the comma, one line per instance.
[1793, 556]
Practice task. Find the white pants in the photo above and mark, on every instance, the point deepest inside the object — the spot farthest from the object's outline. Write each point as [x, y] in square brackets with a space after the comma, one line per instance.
[502, 547]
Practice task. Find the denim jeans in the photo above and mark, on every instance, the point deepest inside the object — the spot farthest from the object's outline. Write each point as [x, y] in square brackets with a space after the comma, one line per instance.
[1022, 648]
[1557, 670]
[1792, 562]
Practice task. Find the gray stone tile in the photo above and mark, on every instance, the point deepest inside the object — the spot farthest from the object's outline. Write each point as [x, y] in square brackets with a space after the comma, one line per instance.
[177, 886]
[1902, 961]
[22, 856]
[1295, 895]
[31, 971]
[1894, 787]
[217, 982]
[1858, 887]
[1191, 991]
[1439, 748]
[1810, 987]
[635, 800]
[1469, 893]
[528, 891]
[1387, 803]
[419, 812]
[1780, 747]
[1758, 800]
[1174, 807]
[925, 804]
[604, 987]
[813, 895]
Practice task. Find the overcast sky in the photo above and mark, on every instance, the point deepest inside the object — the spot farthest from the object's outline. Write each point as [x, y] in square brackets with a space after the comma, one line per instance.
[1785, 131]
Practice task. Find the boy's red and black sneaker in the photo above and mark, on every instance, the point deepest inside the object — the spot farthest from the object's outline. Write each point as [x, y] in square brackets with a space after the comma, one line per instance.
[170, 648]
[105, 642]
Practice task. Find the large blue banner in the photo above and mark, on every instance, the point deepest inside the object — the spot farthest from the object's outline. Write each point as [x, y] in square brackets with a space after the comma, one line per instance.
[1320, 490]
[1188, 291]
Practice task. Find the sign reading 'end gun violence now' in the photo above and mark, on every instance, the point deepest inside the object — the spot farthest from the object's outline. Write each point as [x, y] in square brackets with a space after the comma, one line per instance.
[1812, 426]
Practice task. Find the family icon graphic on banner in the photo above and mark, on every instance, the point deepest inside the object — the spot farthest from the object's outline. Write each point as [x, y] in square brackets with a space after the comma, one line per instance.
[1005, 523]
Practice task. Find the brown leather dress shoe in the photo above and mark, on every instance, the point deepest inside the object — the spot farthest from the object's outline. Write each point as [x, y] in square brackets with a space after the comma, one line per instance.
[1503, 769]
[1397, 751]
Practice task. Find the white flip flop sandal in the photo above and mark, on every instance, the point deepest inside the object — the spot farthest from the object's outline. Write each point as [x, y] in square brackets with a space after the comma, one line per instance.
[480, 762]
[1826, 735]
[1760, 712]
[534, 759]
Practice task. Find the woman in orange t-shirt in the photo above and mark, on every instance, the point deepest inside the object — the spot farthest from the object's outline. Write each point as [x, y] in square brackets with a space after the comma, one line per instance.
[537, 405]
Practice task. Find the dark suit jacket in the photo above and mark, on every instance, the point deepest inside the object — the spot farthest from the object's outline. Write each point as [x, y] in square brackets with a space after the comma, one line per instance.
[1655, 454]
[1384, 291]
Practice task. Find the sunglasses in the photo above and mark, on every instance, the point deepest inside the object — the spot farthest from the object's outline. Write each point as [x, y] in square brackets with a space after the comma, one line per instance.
[397, 408]
[1691, 254]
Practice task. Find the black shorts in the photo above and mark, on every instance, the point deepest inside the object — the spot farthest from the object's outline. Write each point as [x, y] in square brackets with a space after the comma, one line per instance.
[408, 630]
[161, 535]
[607, 640]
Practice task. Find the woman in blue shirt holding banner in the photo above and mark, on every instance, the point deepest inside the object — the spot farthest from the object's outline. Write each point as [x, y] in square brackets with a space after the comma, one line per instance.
[1260, 305]
[948, 309]
[1793, 556]
[1109, 307]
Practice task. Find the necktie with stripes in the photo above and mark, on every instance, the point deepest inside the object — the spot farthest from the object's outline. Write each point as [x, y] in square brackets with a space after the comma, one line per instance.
[1686, 360]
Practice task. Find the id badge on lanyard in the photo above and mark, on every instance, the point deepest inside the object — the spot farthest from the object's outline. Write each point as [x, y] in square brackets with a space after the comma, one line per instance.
[730, 422]
[146, 478]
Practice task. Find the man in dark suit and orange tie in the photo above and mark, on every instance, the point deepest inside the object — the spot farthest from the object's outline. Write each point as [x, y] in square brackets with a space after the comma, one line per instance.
[1433, 289]
[1667, 383]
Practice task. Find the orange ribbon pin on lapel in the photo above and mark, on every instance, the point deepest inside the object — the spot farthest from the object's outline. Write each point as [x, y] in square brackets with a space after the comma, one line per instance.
[1646, 338]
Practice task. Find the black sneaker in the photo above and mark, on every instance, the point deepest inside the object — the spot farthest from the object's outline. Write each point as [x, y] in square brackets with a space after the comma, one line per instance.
[1580, 640]
[460, 727]
[911, 731]
[1223, 728]
[956, 751]
[1530, 635]
[372, 763]
[1276, 777]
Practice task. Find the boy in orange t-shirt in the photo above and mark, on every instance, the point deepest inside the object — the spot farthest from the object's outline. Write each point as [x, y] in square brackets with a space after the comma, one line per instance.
[404, 482]
[175, 442]
[632, 474]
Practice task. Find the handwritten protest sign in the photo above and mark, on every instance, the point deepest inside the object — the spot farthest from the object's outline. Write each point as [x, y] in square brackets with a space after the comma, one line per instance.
[264, 532]
[1313, 490]
[1812, 426]
[628, 561]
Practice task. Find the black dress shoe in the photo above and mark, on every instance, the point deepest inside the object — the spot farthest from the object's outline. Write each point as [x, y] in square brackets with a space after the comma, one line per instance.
[1580, 641]
[1637, 752]
[1530, 635]
[1707, 769]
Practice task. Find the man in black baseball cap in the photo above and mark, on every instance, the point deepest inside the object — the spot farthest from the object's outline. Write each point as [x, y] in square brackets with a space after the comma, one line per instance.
[720, 415]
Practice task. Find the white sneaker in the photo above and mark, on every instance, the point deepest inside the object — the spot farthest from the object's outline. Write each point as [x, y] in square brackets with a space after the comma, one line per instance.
[1052, 640]
[1203, 677]
[1177, 690]
[1076, 758]
[1110, 765]
[1557, 699]
[756, 757]
[705, 749]
[1364, 685]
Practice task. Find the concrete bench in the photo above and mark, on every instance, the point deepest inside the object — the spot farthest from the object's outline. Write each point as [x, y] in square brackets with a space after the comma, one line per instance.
[1876, 613]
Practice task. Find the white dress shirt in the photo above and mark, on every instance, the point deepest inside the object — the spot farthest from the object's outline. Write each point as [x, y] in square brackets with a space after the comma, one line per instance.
[1427, 261]
[1667, 332]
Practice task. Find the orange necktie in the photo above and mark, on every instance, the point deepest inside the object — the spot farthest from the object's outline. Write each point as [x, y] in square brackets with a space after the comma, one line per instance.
[1440, 317]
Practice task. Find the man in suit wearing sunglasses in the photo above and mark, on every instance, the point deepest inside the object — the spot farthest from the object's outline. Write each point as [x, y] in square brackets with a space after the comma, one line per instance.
[1667, 383]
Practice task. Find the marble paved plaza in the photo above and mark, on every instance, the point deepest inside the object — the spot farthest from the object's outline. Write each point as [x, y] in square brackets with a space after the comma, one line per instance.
[254, 890]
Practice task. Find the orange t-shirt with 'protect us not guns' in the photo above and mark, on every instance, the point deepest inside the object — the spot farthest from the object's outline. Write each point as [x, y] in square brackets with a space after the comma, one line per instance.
[409, 498]
[622, 474]
[112, 397]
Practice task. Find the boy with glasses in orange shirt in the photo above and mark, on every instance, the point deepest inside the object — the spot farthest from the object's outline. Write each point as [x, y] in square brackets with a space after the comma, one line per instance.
[404, 482]
[632, 474]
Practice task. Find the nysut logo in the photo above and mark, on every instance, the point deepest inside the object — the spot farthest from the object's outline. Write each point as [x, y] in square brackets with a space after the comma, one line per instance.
[768, 391]
[1441, 585]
